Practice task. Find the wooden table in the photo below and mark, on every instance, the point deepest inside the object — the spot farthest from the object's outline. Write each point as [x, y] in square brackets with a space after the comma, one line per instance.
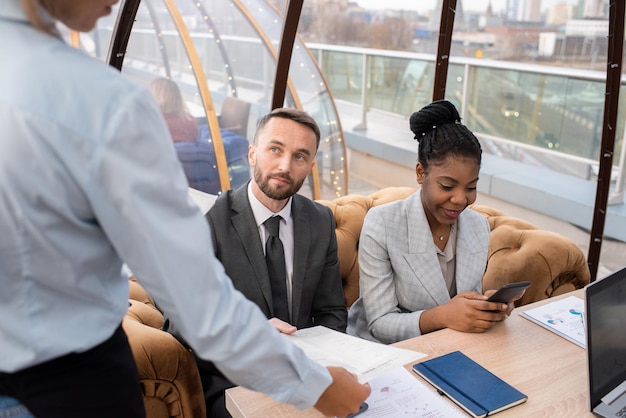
[549, 369]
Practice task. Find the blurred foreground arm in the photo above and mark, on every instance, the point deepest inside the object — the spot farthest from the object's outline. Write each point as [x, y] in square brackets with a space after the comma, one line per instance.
[344, 395]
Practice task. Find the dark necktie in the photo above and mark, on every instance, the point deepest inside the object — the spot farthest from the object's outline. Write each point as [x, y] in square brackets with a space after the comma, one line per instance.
[275, 259]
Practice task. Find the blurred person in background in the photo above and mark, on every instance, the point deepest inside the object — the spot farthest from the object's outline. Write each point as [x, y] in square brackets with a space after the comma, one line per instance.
[182, 125]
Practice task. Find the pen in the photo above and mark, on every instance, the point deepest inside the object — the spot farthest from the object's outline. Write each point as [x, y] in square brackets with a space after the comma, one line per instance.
[362, 408]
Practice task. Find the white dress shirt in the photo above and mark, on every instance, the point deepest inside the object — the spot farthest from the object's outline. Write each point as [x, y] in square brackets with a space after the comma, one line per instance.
[285, 233]
[89, 177]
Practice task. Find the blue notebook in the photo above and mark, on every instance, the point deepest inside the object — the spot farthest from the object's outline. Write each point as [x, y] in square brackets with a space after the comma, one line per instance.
[468, 384]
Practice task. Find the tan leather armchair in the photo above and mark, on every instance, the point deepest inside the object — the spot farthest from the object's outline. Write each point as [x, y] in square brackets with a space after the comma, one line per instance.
[519, 251]
[168, 374]
[349, 212]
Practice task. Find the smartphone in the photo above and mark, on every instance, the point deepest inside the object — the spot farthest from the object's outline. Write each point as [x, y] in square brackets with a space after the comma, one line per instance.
[362, 408]
[508, 292]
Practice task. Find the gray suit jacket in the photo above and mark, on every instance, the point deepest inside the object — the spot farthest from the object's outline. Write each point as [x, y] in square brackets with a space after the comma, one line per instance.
[400, 275]
[317, 297]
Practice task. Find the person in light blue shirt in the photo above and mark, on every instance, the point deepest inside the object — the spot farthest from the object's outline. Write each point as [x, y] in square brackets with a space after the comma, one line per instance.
[89, 179]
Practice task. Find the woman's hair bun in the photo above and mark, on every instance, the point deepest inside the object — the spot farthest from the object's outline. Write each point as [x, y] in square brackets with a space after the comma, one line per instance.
[437, 113]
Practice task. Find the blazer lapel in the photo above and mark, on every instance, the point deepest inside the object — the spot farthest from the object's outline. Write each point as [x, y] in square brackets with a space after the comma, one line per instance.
[245, 225]
[422, 257]
[302, 243]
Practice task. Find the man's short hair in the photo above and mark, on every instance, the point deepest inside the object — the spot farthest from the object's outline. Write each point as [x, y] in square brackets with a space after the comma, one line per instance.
[298, 116]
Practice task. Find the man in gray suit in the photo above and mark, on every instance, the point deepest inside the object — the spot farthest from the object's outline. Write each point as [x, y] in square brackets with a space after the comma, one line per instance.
[282, 156]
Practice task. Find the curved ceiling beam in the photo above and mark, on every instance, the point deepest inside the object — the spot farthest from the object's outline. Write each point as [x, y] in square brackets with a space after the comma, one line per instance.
[446, 26]
[607, 147]
[268, 44]
[117, 52]
[220, 46]
[287, 38]
[344, 161]
[157, 30]
[288, 85]
[205, 93]
[283, 61]
[121, 32]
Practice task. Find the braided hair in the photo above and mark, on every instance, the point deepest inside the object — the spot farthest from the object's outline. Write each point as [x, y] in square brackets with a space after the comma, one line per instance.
[440, 134]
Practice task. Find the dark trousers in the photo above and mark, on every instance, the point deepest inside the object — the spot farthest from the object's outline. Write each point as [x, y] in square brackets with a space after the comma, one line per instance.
[100, 383]
[214, 383]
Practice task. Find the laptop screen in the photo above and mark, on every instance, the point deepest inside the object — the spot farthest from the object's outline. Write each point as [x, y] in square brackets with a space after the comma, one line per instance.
[606, 334]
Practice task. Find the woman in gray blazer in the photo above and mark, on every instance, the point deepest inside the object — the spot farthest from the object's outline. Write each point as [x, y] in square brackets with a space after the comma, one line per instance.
[422, 258]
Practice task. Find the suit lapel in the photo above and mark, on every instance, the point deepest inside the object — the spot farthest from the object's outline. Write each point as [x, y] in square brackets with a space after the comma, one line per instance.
[422, 257]
[302, 243]
[245, 225]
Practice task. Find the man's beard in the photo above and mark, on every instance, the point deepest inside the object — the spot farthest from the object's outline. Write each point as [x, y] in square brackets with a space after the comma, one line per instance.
[264, 185]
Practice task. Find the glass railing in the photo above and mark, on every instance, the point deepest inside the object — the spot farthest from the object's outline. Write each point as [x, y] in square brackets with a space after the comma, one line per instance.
[547, 114]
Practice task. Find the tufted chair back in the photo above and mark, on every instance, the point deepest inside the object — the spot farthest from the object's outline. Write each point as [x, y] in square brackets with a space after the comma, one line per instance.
[168, 374]
[517, 250]
[349, 212]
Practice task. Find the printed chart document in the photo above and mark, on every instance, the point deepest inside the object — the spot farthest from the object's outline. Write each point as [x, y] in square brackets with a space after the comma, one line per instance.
[564, 317]
[366, 359]
[397, 393]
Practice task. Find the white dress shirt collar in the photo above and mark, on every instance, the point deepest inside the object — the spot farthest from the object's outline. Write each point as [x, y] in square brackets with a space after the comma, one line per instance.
[262, 213]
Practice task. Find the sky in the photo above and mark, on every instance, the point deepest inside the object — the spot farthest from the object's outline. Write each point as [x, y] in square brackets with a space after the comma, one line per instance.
[425, 5]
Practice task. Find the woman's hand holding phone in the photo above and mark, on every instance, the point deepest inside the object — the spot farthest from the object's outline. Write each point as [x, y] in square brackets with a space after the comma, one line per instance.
[509, 293]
